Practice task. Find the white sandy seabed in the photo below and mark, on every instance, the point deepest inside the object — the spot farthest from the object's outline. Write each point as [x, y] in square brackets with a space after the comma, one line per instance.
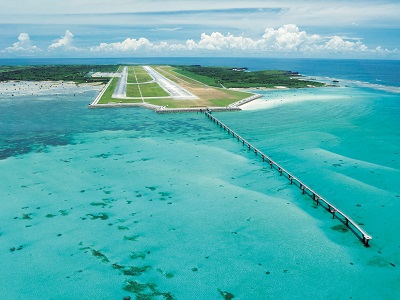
[34, 88]
[171, 207]
[275, 98]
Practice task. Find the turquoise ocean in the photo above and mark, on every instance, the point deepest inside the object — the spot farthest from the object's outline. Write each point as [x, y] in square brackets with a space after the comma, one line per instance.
[109, 203]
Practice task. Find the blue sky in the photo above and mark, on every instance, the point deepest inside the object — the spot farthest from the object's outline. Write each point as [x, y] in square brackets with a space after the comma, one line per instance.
[128, 28]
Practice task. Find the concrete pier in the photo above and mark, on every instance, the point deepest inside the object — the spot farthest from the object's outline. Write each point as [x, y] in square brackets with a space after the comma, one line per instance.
[305, 189]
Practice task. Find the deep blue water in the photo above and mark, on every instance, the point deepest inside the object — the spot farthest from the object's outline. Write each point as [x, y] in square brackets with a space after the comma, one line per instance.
[385, 72]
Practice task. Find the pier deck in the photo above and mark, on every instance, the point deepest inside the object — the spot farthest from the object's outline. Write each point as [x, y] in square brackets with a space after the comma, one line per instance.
[334, 210]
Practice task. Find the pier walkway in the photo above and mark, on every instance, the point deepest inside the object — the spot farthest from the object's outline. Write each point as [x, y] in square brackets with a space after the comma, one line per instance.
[336, 212]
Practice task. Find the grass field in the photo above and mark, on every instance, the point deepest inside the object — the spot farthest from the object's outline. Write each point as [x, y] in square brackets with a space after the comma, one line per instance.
[153, 89]
[232, 78]
[143, 76]
[208, 96]
[170, 71]
[170, 103]
[132, 90]
[127, 101]
[137, 74]
[203, 79]
[107, 96]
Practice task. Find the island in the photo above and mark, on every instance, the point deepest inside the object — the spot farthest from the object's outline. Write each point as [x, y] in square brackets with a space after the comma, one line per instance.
[165, 88]
[192, 88]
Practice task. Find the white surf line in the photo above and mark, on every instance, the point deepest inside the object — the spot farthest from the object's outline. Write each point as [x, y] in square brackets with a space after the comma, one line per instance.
[120, 90]
[175, 90]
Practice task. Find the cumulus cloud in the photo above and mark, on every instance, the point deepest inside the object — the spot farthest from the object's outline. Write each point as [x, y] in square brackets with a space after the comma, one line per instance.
[23, 46]
[128, 45]
[64, 43]
[286, 39]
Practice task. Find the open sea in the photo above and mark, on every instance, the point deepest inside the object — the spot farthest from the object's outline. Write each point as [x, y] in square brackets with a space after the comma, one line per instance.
[109, 203]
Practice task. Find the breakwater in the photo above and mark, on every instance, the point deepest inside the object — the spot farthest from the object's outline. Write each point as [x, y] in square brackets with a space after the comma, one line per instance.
[305, 189]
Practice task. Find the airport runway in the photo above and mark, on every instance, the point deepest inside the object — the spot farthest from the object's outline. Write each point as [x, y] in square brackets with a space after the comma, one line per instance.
[120, 89]
[176, 91]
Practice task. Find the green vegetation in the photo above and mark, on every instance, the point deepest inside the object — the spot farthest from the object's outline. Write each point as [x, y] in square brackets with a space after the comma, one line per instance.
[233, 78]
[143, 77]
[180, 76]
[153, 89]
[138, 75]
[132, 90]
[171, 103]
[234, 96]
[75, 73]
[107, 96]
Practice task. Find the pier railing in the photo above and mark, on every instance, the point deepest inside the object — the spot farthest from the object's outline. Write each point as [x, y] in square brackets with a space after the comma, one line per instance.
[336, 212]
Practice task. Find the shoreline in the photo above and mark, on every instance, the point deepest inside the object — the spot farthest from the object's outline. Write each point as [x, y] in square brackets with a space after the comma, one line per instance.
[15, 88]
[278, 100]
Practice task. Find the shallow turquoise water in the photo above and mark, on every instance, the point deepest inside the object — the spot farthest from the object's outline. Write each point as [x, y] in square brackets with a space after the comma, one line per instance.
[116, 202]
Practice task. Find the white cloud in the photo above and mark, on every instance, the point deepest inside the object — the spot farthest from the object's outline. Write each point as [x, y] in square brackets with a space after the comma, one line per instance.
[23, 46]
[336, 43]
[64, 43]
[128, 45]
[285, 40]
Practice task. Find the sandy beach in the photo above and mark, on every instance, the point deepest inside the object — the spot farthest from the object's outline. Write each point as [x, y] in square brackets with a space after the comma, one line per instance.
[272, 99]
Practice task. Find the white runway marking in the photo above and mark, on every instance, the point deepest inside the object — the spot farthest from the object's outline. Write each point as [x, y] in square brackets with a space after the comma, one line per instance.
[120, 89]
[176, 91]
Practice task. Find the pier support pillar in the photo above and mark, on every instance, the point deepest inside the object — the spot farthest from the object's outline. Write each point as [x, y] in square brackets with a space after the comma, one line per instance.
[303, 187]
